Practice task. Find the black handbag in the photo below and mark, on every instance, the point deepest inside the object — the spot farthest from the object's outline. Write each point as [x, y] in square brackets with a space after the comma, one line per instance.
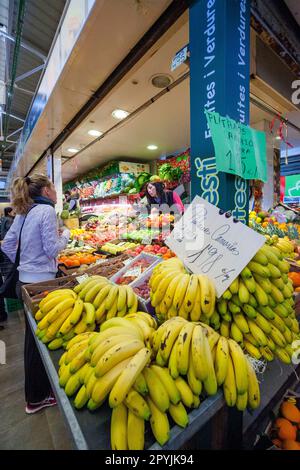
[8, 288]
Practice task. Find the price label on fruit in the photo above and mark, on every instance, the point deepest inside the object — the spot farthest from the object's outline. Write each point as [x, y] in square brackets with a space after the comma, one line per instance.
[82, 278]
[212, 242]
[134, 272]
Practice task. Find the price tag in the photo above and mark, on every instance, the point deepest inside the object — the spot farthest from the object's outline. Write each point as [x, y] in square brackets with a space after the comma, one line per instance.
[239, 149]
[211, 242]
[134, 272]
[127, 261]
[81, 279]
[100, 261]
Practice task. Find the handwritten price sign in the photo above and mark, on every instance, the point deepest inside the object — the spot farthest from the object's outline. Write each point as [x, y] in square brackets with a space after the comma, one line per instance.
[239, 149]
[211, 242]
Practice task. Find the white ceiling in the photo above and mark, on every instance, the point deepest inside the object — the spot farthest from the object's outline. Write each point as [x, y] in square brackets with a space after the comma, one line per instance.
[165, 123]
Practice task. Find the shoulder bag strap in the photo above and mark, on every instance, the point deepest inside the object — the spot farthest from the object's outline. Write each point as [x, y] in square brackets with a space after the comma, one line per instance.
[17, 260]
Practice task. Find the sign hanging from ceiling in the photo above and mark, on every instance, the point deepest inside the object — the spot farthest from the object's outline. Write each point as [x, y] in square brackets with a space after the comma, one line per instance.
[239, 149]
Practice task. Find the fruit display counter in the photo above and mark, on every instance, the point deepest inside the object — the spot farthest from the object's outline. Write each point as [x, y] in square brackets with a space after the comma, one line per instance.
[155, 371]
[91, 430]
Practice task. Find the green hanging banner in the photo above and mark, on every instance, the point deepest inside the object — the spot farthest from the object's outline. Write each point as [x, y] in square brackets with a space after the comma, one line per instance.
[239, 150]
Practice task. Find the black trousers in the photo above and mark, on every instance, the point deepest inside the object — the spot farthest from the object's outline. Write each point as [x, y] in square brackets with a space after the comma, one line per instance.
[37, 385]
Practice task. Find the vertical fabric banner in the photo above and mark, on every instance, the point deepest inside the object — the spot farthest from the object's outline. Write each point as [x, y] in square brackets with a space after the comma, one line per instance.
[219, 82]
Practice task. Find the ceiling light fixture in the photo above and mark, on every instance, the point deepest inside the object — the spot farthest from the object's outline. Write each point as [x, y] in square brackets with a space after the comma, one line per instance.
[152, 147]
[72, 150]
[120, 114]
[161, 80]
[95, 133]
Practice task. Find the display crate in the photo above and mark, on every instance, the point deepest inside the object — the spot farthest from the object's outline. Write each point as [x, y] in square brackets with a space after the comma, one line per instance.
[32, 294]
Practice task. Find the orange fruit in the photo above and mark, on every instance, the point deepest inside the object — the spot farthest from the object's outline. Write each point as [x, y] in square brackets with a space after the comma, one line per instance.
[285, 429]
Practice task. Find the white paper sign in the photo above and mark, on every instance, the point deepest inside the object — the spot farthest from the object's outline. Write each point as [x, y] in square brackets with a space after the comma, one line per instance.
[82, 278]
[135, 272]
[212, 243]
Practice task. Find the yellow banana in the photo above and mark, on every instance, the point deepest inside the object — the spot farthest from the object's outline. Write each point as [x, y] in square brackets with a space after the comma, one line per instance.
[137, 404]
[92, 293]
[140, 385]
[81, 398]
[241, 322]
[118, 428]
[116, 354]
[198, 353]
[135, 432]
[129, 375]
[252, 350]
[253, 387]
[168, 383]
[283, 355]
[76, 312]
[179, 415]
[171, 333]
[157, 391]
[241, 401]
[103, 385]
[229, 386]
[194, 383]
[239, 364]
[221, 361]
[183, 347]
[181, 291]
[257, 333]
[159, 423]
[186, 393]
[173, 362]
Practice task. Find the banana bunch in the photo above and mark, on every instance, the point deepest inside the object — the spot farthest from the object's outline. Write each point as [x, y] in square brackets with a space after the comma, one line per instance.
[65, 313]
[174, 292]
[257, 310]
[108, 299]
[285, 246]
[207, 360]
[61, 316]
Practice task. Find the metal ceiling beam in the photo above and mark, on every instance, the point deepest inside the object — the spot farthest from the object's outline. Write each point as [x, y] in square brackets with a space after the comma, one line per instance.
[26, 46]
[24, 90]
[29, 73]
[15, 132]
[13, 116]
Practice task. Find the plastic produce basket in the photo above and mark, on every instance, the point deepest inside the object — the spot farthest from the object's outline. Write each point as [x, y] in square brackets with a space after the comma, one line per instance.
[146, 256]
[12, 305]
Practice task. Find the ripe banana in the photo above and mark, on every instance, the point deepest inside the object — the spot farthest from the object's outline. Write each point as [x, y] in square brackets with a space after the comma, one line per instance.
[168, 383]
[239, 364]
[253, 387]
[116, 354]
[179, 415]
[135, 432]
[183, 347]
[103, 385]
[157, 391]
[129, 376]
[137, 405]
[221, 360]
[118, 428]
[159, 423]
[229, 386]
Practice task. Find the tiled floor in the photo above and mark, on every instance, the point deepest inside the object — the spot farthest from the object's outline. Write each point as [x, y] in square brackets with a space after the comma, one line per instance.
[18, 431]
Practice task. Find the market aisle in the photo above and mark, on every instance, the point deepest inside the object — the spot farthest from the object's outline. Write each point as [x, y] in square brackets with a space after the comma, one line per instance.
[44, 430]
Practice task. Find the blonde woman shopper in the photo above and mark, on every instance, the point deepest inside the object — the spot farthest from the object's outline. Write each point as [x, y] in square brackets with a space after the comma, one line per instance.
[33, 199]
